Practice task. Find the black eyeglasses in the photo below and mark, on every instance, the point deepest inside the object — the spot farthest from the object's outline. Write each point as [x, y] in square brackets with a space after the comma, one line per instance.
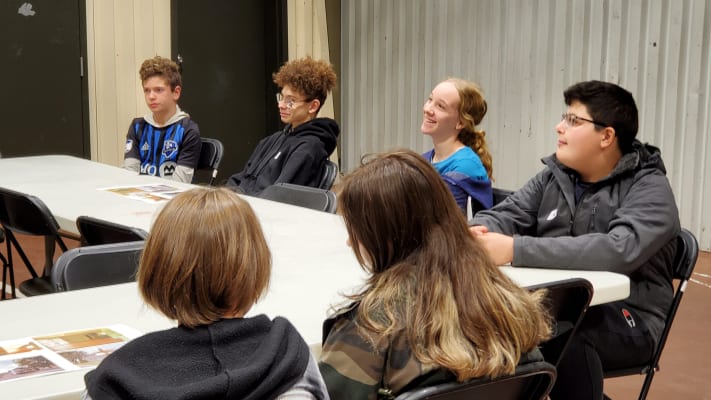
[572, 120]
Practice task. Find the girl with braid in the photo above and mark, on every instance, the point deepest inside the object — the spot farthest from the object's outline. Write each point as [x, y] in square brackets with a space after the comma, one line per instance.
[460, 155]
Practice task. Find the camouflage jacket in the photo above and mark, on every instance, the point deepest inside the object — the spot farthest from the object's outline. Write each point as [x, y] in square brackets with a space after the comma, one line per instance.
[354, 368]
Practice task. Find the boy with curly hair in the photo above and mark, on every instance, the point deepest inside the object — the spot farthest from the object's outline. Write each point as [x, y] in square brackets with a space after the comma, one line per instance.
[297, 153]
[165, 142]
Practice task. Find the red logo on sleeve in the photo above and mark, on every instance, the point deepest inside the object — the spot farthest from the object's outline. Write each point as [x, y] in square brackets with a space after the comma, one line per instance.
[628, 318]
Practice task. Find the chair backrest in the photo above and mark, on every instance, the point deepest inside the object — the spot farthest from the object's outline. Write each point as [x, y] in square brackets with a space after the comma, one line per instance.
[566, 302]
[687, 251]
[92, 266]
[501, 194]
[302, 196]
[211, 154]
[26, 214]
[530, 381]
[96, 231]
[330, 170]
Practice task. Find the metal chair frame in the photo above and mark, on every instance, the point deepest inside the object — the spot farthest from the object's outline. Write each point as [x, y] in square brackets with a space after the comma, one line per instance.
[302, 196]
[684, 262]
[26, 214]
[211, 153]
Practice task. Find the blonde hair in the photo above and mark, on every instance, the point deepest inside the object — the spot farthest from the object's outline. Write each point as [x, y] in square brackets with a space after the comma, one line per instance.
[472, 108]
[205, 258]
[431, 280]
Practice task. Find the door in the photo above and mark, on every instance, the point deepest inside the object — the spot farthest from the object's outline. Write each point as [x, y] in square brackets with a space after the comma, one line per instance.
[44, 106]
[228, 52]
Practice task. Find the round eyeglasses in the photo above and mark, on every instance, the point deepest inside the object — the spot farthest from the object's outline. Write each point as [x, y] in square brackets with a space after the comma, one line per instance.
[289, 101]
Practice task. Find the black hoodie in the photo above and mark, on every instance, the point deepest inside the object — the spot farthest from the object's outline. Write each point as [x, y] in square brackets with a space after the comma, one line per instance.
[290, 156]
[241, 358]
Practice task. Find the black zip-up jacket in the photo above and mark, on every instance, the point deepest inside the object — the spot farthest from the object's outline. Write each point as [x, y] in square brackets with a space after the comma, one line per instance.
[624, 223]
[291, 156]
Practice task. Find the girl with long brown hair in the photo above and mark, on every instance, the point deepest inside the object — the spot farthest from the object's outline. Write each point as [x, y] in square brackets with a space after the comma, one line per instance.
[435, 307]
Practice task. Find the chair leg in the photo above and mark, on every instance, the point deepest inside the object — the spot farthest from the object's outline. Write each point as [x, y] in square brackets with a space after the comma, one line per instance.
[48, 254]
[7, 267]
[12, 282]
[647, 384]
[4, 281]
[11, 238]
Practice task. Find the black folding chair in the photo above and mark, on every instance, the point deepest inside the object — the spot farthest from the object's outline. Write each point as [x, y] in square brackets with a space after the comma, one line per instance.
[211, 154]
[532, 381]
[330, 170]
[684, 262]
[302, 196]
[27, 214]
[474, 206]
[93, 266]
[501, 194]
[566, 302]
[95, 231]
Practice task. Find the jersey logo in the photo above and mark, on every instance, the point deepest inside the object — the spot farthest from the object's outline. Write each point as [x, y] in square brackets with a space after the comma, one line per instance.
[145, 147]
[167, 168]
[552, 215]
[129, 145]
[170, 148]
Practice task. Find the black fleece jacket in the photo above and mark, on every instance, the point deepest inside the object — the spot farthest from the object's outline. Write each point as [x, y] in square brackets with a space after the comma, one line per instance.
[241, 358]
[290, 156]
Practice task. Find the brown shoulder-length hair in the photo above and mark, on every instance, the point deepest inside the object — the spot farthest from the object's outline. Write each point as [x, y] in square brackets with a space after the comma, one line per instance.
[205, 258]
[431, 279]
[472, 109]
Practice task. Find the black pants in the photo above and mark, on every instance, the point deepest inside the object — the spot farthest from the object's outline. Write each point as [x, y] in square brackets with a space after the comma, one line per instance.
[608, 338]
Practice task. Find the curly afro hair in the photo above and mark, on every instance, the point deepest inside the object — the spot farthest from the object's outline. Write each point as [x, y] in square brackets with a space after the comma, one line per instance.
[313, 78]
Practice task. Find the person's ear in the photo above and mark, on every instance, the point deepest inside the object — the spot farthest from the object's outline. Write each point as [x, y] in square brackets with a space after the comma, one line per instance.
[176, 92]
[460, 125]
[608, 137]
[314, 106]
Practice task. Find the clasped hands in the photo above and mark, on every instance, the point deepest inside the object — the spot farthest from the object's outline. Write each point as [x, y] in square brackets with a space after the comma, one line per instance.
[499, 246]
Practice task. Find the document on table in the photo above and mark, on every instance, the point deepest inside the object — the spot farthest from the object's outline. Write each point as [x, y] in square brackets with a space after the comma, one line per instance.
[60, 352]
[157, 193]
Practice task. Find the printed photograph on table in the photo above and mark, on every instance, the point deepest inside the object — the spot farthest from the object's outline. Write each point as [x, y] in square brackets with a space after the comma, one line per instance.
[59, 352]
[90, 356]
[20, 346]
[149, 193]
[80, 339]
[24, 367]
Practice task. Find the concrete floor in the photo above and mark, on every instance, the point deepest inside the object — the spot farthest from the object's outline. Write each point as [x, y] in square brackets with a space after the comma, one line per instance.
[685, 367]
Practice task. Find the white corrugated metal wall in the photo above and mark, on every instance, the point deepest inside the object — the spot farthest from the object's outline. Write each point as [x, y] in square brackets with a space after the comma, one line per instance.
[524, 53]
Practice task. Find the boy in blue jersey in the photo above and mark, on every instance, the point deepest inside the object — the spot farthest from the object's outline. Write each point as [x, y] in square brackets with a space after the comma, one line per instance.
[165, 142]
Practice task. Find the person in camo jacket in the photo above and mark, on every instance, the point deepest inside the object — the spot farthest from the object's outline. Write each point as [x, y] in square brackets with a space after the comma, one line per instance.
[435, 307]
